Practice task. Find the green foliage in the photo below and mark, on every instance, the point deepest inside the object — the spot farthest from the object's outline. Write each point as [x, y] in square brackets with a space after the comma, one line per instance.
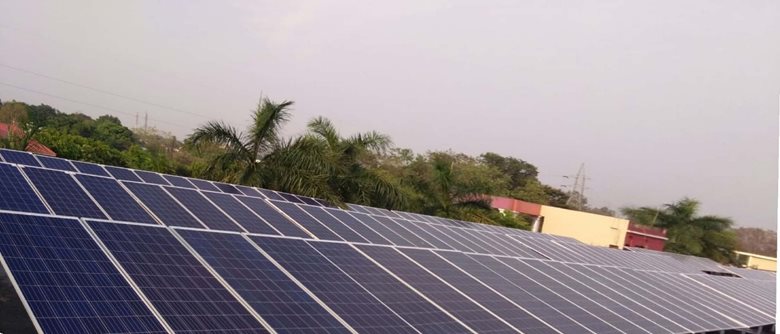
[71, 146]
[688, 233]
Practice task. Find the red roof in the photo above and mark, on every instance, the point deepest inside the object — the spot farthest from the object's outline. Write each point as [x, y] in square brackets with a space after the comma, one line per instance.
[33, 146]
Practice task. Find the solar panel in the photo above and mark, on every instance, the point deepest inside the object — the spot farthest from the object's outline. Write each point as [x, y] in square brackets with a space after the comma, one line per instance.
[184, 292]
[249, 191]
[501, 279]
[16, 194]
[334, 224]
[67, 281]
[273, 217]
[227, 188]
[361, 310]
[289, 197]
[114, 199]
[309, 200]
[56, 163]
[206, 212]
[354, 224]
[420, 231]
[243, 216]
[280, 301]
[63, 193]
[90, 168]
[382, 229]
[162, 205]
[414, 308]
[19, 157]
[178, 181]
[270, 194]
[122, 174]
[439, 292]
[309, 223]
[151, 177]
[204, 185]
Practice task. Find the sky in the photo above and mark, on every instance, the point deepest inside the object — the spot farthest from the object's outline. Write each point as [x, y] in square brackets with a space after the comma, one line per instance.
[659, 99]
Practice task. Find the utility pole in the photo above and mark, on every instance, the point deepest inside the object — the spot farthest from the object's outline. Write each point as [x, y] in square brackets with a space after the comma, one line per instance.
[136, 120]
[577, 190]
[146, 121]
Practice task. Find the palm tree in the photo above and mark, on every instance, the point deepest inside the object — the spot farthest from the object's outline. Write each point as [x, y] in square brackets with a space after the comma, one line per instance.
[241, 154]
[351, 165]
[707, 236]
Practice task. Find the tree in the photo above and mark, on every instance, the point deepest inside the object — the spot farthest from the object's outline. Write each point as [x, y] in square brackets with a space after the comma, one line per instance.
[243, 153]
[688, 233]
[757, 241]
[351, 164]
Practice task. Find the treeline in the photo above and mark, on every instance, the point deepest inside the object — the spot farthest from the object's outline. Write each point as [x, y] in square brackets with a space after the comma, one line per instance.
[363, 168]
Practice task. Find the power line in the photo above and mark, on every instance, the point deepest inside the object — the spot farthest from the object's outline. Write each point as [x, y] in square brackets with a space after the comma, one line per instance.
[102, 91]
[85, 103]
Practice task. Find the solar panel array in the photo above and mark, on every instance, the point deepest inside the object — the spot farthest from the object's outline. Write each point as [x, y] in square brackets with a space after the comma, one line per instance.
[98, 249]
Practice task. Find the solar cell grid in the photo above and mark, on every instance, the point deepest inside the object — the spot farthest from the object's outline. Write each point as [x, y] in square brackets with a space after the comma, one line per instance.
[243, 216]
[68, 282]
[227, 188]
[90, 168]
[502, 307]
[349, 300]
[56, 163]
[309, 200]
[184, 292]
[202, 208]
[305, 220]
[500, 278]
[358, 227]
[273, 217]
[117, 202]
[439, 292]
[179, 181]
[249, 191]
[334, 224]
[122, 174]
[270, 194]
[63, 193]
[281, 303]
[419, 230]
[420, 313]
[19, 157]
[163, 205]
[396, 227]
[16, 194]
[382, 229]
[151, 177]
[204, 185]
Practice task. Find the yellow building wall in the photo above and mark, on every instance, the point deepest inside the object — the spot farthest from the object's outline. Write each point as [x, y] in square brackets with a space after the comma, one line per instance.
[589, 228]
[762, 264]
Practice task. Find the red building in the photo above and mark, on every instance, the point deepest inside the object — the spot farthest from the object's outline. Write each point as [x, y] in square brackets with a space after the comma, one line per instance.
[640, 236]
[33, 146]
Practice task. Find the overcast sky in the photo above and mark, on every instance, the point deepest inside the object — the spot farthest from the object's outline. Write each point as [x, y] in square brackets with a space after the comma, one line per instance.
[659, 99]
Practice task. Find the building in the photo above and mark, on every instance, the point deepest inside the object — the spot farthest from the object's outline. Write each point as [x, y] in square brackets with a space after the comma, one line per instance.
[640, 236]
[33, 146]
[589, 228]
[756, 261]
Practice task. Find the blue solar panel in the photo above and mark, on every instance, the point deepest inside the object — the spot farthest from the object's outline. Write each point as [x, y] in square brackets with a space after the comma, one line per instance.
[123, 174]
[227, 188]
[203, 209]
[19, 157]
[273, 217]
[500, 278]
[204, 185]
[151, 177]
[309, 223]
[16, 194]
[383, 230]
[115, 199]
[290, 197]
[270, 194]
[68, 282]
[163, 205]
[90, 168]
[243, 216]
[358, 227]
[420, 313]
[467, 311]
[421, 230]
[178, 181]
[56, 163]
[349, 300]
[282, 303]
[249, 191]
[309, 200]
[184, 292]
[63, 193]
[334, 224]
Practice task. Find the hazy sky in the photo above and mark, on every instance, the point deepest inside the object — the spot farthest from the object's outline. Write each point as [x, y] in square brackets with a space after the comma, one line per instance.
[660, 99]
